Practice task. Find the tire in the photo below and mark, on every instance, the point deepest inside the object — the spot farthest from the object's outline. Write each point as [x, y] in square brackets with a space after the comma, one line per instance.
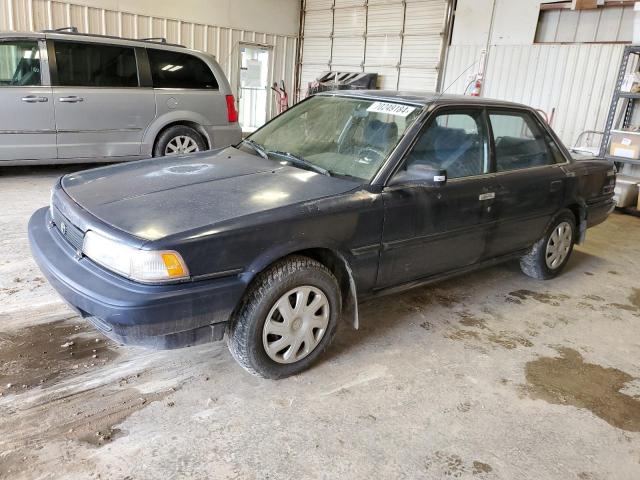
[248, 329]
[179, 135]
[539, 262]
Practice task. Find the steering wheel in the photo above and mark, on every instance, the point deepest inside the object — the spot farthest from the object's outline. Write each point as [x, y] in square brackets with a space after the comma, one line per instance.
[370, 154]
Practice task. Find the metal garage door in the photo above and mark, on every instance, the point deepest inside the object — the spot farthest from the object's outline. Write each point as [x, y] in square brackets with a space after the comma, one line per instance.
[399, 40]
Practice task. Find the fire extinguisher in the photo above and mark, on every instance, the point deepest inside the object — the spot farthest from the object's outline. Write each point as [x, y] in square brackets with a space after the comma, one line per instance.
[477, 87]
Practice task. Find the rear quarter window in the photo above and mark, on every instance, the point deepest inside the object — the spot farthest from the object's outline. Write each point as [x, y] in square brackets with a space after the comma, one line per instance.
[180, 70]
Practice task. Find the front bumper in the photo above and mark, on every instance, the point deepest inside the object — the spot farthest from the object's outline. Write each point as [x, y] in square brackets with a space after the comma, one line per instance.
[158, 316]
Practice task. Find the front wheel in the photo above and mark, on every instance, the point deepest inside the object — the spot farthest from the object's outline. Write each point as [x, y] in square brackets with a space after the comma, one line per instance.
[549, 255]
[287, 318]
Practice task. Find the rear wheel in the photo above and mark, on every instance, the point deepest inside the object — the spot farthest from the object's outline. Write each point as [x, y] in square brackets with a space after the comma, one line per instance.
[179, 139]
[287, 318]
[548, 256]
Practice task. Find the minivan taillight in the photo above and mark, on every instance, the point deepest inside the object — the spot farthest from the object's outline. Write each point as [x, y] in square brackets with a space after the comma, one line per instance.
[232, 113]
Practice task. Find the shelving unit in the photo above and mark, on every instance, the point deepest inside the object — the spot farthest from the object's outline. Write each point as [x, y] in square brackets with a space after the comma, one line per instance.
[631, 100]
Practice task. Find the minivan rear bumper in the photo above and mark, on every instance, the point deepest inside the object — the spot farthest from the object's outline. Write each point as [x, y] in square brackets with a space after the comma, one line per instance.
[157, 316]
[224, 136]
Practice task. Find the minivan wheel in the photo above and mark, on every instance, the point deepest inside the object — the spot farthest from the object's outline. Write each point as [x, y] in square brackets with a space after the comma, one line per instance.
[550, 254]
[179, 139]
[287, 318]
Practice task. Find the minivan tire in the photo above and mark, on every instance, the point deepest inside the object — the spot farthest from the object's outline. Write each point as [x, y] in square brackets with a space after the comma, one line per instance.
[536, 262]
[247, 331]
[174, 132]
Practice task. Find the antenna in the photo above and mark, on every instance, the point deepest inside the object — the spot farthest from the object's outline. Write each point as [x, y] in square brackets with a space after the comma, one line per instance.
[457, 78]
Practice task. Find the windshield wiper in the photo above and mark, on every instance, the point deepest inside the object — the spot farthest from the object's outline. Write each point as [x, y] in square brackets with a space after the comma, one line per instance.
[299, 161]
[256, 147]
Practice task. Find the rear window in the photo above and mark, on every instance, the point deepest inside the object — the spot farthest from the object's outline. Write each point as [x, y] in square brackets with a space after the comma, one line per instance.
[95, 65]
[180, 70]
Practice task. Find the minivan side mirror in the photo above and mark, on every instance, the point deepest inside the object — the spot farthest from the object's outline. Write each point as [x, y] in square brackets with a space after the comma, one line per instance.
[418, 174]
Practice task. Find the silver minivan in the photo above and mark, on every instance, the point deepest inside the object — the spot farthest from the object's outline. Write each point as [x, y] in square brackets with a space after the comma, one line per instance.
[67, 97]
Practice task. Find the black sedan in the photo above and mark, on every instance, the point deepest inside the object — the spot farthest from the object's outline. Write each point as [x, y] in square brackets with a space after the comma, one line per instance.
[343, 197]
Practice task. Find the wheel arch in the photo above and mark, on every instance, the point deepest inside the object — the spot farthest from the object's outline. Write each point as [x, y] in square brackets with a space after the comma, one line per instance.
[579, 210]
[187, 123]
[331, 258]
[170, 119]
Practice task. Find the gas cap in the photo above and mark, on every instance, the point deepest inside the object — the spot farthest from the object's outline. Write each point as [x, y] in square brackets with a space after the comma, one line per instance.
[172, 103]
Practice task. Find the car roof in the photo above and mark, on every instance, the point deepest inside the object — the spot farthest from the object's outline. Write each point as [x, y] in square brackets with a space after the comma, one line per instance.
[68, 35]
[421, 98]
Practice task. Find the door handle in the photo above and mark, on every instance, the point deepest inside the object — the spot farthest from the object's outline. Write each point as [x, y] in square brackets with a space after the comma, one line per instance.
[487, 196]
[71, 99]
[34, 99]
[556, 185]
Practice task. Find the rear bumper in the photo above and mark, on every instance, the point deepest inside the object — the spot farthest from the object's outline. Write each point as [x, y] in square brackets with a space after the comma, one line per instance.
[158, 316]
[598, 212]
[224, 136]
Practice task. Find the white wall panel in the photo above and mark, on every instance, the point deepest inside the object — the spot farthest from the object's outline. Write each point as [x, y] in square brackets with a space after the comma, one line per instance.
[576, 81]
[35, 15]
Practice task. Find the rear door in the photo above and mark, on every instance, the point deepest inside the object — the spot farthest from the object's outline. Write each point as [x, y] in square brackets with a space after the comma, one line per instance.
[530, 181]
[101, 109]
[27, 125]
[430, 230]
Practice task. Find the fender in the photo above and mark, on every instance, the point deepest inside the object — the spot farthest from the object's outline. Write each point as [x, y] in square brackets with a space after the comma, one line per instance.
[174, 116]
[346, 280]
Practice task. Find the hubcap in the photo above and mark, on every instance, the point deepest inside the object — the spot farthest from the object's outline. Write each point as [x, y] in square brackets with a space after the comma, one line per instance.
[181, 144]
[559, 244]
[295, 325]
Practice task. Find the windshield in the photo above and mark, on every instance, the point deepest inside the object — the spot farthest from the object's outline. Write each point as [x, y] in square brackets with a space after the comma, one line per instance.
[344, 136]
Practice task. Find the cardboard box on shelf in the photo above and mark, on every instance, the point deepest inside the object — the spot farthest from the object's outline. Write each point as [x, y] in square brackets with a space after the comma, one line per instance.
[625, 144]
[631, 83]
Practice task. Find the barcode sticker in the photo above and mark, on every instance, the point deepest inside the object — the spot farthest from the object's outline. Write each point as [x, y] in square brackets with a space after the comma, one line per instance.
[391, 109]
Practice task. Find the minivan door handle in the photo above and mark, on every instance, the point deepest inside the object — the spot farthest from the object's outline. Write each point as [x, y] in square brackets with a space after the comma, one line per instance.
[556, 185]
[34, 99]
[71, 99]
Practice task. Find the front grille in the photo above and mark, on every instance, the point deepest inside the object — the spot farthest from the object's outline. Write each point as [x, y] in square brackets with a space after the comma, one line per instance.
[68, 230]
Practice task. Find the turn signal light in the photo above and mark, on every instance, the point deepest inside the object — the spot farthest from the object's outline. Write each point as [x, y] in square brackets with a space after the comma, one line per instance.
[173, 264]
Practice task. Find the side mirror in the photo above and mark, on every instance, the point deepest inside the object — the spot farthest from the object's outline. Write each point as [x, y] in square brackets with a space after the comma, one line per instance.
[420, 175]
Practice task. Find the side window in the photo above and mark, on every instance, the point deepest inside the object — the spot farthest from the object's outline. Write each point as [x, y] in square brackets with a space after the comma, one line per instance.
[180, 70]
[95, 65]
[19, 63]
[519, 141]
[455, 141]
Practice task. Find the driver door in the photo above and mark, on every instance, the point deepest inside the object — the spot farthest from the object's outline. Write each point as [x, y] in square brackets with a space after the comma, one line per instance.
[27, 124]
[429, 230]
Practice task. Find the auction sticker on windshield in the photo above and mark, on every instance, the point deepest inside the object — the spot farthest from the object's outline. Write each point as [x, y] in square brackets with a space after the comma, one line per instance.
[391, 108]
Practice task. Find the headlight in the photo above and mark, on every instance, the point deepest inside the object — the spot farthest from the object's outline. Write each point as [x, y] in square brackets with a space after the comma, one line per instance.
[140, 265]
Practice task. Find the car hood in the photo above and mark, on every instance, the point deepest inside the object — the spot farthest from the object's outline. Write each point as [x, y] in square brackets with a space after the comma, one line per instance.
[155, 198]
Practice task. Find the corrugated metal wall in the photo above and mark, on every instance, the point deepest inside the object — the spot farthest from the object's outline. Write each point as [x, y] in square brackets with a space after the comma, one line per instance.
[576, 80]
[35, 15]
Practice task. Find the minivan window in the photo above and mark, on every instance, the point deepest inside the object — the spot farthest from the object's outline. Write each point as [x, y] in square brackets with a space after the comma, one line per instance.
[19, 63]
[519, 141]
[180, 70]
[95, 65]
[455, 141]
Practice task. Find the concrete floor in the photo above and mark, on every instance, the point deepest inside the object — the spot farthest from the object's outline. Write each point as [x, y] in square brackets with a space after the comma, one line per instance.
[493, 375]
